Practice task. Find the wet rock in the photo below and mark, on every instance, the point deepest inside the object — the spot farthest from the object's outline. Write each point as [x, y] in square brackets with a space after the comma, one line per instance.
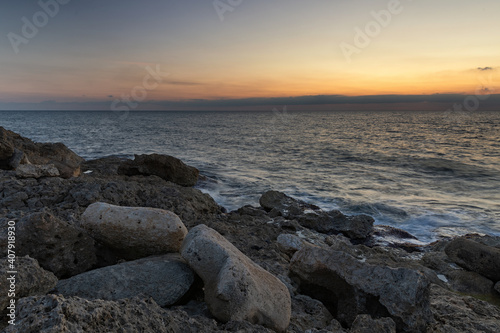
[475, 257]
[134, 232]
[236, 288]
[36, 171]
[355, 227]
[164, 166]
[164, 278]
[289, 244]
[59, 247]
[384, 235]
[366, 324]
[349, 286]
[284, 205]
[456, 314]
[30, 280]
[65, 160]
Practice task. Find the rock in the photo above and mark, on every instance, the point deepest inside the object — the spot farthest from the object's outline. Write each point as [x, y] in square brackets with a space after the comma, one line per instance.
[308, 313]
[164, 278]
[164, 166]
[30, 280]
[349, 286]
[65, 160]
[469, 282]
[236, 288]
[36, 171]
[456, 314]
[387, 236]
[366, 324]
[134, 232]
[475, 257]
[289, 244]
[57, 314]
[355, 227]
[58, 246]
[497, 287]
[284, 205]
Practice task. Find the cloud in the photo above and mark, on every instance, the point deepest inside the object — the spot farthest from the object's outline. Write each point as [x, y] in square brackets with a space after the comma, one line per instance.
[483, 69]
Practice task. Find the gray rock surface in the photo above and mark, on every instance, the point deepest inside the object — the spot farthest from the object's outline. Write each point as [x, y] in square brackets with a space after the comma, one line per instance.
[456, 314]
[36, 171]
[349, 286]
[164, 166]
[281, 204]
[235, 287]
[164, 278]
[65, 160]
[134, 232]
[497, 287]
[355, 227]
[289, 244]
[475, 257]
[366, 324]
[30, 280]
[308, 313]
[59, 247]
[469, 282]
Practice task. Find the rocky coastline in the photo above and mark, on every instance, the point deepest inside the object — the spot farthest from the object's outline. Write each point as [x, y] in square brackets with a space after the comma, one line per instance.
[120, 245]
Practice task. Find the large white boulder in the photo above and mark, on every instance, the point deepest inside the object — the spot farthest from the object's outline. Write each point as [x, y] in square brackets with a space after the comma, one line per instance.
[134, 232]
[236, 288]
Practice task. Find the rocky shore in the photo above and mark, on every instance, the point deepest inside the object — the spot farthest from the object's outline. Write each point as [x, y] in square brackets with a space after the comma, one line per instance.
[118, 245]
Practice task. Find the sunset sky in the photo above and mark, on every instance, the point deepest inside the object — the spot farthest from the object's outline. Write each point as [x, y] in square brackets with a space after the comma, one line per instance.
[87, 54]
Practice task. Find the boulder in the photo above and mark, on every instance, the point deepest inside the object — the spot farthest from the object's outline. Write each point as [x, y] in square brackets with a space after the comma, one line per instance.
[15, 150]
[281, 204]
[497, 287]
[366, 324]
[30, 280]
[236, 288]
[164, 166]
[59, 247]
[456, 314]
[469, 282]
[475, 257]
[289, 244]
[349, 286]
[57, 314]
[164, 278]
[36, 171]
[134, 232]
[333, 222]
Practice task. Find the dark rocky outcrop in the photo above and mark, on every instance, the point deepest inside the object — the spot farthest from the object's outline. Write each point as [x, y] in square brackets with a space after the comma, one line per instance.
[164, 278]
[164, 166]
[30, 280]
[15, 150]
[59, 247]
[475, 257]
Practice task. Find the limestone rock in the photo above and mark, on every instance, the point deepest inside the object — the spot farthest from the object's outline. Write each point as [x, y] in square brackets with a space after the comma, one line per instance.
[36, 171]
[475, 257]
[134, 232]
[349, 286]
[366, 324]
[164, 166]
[164, 278]
[30, 280]
[57, 314]
[58, 246]
[235, 287]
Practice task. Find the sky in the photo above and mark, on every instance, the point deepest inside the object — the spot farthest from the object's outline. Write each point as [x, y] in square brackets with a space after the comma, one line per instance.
[205, 54]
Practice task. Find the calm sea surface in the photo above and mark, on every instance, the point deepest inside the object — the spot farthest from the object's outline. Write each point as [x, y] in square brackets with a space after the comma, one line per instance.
[426, 172]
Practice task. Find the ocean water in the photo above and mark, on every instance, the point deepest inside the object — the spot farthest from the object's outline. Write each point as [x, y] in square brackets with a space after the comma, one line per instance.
[429, 173]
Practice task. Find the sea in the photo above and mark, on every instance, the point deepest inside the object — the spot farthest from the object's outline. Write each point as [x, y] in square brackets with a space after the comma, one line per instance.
[432, 174]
